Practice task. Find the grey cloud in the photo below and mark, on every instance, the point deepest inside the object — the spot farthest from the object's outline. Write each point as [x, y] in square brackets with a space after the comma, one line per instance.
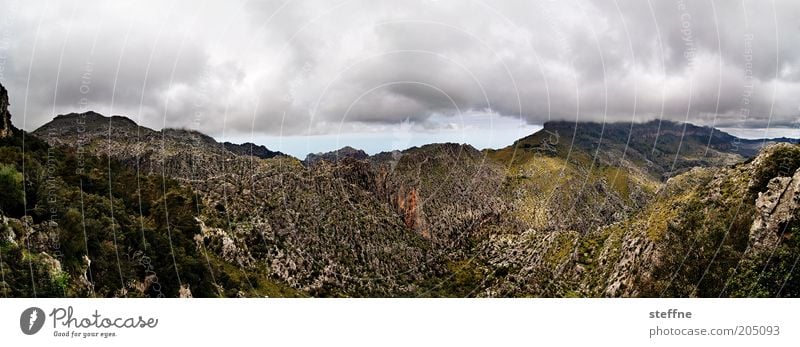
[317, 66]
[72, 65]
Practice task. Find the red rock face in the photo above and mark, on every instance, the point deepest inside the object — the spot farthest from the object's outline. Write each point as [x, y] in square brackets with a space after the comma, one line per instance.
[408, 204]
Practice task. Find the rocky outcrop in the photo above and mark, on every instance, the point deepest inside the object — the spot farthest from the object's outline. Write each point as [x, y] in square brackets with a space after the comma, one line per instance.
[185, 291]
[224, 244]
[776, 208]
[7, 231]
[409, 205]
[634, 260]
[6, 128]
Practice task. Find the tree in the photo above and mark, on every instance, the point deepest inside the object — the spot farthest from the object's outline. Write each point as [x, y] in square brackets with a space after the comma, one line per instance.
[11, 195]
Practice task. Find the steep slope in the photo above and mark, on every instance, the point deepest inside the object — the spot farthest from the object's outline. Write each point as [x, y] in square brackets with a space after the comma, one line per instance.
[321, 230]
[558, 183]
[749, 215]
[591, 201]
[80, 225]
[709, 233]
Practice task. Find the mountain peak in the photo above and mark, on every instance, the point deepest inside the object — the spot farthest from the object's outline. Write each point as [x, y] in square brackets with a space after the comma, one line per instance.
[87, 125]
[70, 115]
[335, 156]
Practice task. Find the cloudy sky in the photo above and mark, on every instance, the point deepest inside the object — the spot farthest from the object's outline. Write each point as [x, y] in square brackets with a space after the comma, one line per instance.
[386, 74]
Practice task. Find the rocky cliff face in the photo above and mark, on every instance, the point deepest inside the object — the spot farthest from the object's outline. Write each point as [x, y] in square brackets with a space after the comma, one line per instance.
[408, 204]
[6, 128]
[775, 211]
[777, 206]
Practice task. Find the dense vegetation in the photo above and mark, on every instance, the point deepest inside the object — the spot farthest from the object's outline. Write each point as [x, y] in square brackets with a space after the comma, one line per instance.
[137, 230]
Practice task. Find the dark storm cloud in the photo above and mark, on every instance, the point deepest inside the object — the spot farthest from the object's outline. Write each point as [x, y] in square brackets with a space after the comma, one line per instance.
[326, 66]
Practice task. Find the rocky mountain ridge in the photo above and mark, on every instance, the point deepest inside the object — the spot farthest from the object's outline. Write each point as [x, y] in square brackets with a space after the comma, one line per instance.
[249, 148]
[335, 156]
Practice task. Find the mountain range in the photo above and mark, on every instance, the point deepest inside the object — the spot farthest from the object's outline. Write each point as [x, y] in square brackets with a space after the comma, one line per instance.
[99, 206]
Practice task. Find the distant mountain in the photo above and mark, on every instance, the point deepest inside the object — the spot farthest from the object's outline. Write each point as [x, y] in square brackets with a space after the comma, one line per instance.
[650, 209]
[255, 150]
[661, 148]
[335, 156]
[180, 153]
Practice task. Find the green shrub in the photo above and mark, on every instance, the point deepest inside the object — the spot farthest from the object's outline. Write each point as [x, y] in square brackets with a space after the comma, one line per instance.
[11, 198]
[783, 161]
[771, 273]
